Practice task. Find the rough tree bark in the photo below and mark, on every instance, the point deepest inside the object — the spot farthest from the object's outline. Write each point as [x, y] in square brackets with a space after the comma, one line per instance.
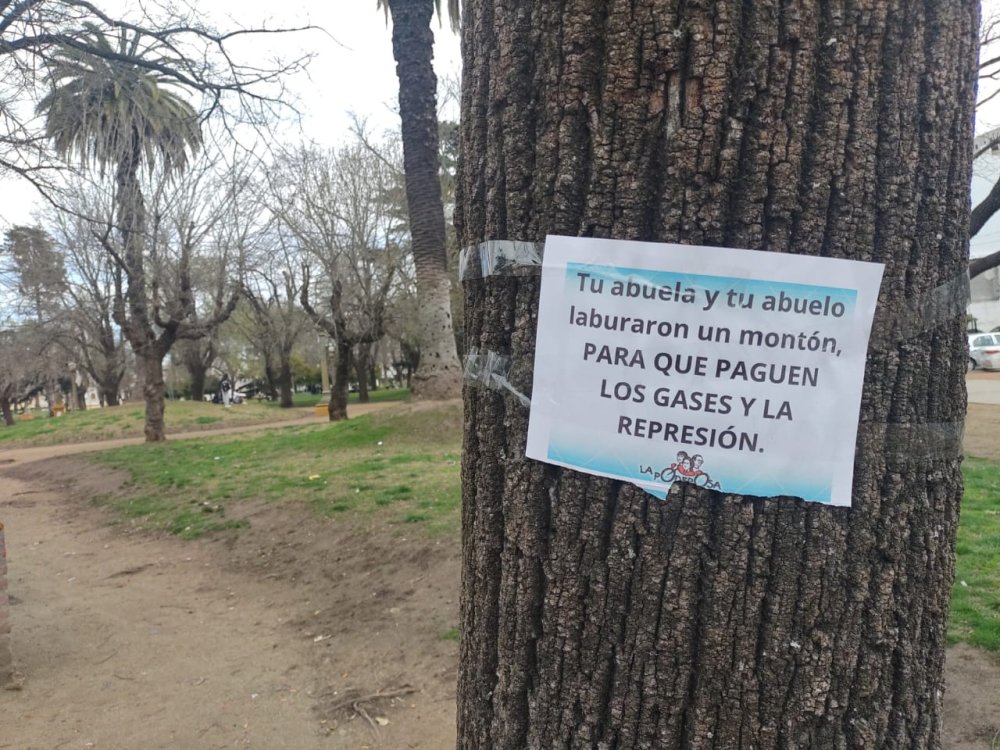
[198, 377]
[336, 327]
[154, 389]
[594, 615]
[336, 409]
[285, 383]
[197, 356]
[439, 374]
[362, 370]
[103, 359]
[109, 393]
[81, 392]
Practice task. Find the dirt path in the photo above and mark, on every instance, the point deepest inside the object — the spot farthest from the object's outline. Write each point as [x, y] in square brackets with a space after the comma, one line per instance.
[131, 642]
[285, 636]
[268, 640]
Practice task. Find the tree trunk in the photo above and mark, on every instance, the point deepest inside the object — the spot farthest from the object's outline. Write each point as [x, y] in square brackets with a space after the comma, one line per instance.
[74, 397]
[197, 375]
[594, 615]
[6, 411]
[150, 361]
[81, 390]
[337, 408]
[285, 383]
[272, 379]
[196, 355]
[362, 367]
[110, 393]
[51, 395]
[439, 375]
[109, 370]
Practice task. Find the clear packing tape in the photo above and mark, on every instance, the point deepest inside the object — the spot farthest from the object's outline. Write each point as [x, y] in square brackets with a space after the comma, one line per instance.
[921, 313]
[492, 370]
[897, 442]
[500, 258]
[914, 442]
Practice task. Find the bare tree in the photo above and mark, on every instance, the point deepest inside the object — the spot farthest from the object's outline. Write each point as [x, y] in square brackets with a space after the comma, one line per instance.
[186, 284]
[985, 143]
[29, 257]
[92, 278]
[30, 363]
[234, 226]
[18, 379]
[173, 42]
[272, 286]
[338, 208]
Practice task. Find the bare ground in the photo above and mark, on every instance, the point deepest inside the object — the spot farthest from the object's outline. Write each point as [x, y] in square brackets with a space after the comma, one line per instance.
[287, 636]
[298, 633]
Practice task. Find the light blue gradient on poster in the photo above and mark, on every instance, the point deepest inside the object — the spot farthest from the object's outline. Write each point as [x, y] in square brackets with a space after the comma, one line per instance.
[592, 455]
[701, 283]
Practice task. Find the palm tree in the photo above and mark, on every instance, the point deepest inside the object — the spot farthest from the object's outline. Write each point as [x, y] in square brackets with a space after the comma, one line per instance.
[108, 108]
[439, 374]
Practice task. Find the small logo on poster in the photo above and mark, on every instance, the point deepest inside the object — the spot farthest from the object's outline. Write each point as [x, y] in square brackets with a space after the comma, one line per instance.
[686, 468]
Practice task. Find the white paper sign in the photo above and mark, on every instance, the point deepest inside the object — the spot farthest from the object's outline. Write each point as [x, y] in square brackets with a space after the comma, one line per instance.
[738, 370]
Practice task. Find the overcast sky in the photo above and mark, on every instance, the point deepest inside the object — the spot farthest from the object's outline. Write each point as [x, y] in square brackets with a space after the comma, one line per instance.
[353, 70]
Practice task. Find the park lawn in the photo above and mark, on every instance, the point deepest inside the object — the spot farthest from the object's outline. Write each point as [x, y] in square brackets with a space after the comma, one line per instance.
[399, 466]
[975, 596]
[128, 420]
[382, 395]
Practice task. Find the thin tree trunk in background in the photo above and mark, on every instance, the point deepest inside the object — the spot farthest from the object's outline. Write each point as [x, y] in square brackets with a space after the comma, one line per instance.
[6, 412]
[150, 361]
[136, 321]
[110, 393]
[81, 390]
[285, 383]
[594, 615]
[108, 379]
[198, 375]
[51, 397]
[337, 408]
[73, 397]
[272, 377]
[439, 375]
[362, 367]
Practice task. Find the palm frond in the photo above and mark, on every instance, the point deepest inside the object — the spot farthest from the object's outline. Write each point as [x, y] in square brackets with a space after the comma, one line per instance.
[104, 110]
[454, 12]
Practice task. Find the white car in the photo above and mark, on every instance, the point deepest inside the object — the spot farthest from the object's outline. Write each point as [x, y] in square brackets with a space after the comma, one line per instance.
[984, 351]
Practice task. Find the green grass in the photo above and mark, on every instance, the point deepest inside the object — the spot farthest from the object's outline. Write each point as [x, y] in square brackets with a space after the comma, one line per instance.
[401, 468]
[975, 596]
[187, 522]
[382, 395]
[128, 420]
